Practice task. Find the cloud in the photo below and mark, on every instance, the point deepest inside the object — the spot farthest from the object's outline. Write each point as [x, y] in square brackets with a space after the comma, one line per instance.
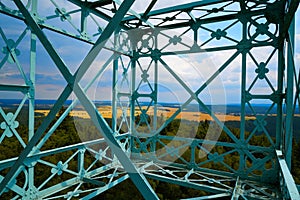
[193, 72]
[48, 91]
[297, 48]
[297, 36]
[193, 69]
[11, 78]
[45, 79]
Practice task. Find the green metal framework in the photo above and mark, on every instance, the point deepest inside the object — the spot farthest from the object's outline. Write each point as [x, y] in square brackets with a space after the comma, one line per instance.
[137, 43]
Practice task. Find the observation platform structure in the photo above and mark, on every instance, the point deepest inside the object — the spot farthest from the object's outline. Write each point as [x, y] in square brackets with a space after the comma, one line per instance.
[133, 41]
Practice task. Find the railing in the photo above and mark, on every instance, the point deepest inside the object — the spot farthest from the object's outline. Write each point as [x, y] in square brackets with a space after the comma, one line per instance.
[288, 187]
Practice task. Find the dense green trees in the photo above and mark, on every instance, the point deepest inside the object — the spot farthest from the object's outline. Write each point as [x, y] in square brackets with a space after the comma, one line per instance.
[69, 133]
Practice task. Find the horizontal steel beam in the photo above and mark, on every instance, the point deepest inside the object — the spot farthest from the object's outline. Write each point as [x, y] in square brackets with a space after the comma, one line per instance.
[106, 187]
[182, 7]
[214, 196]
[96, 12]
[214, 19]
[212, 49]
[185, 183]
[18, 16]
[34, 157]
[17, 88]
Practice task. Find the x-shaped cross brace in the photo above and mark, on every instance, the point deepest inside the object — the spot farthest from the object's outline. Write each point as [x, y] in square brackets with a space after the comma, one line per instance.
[138, 179]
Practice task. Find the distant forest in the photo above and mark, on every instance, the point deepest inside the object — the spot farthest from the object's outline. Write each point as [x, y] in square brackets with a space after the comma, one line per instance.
[66, 134]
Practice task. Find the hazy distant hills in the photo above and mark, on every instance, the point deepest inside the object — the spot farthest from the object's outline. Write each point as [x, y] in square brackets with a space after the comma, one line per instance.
[233, 109]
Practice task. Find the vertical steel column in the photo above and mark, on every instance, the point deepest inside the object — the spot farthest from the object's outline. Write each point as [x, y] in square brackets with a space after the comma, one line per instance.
[115, 89]
[17, 167]
[31, 93]
[289, 95]
[242, 161]
[32, 75]
[155, 87]
[279, 97]
[137, 178]
[132, 93]
[83, 25]
[240, 147]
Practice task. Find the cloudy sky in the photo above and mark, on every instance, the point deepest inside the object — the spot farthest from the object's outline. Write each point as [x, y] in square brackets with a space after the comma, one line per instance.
[193, 69]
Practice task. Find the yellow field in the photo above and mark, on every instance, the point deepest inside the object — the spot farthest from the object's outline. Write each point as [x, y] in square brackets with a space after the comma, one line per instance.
[166, 112]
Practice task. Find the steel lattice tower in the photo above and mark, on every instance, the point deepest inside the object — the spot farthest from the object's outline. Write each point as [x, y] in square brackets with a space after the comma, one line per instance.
[135, 44]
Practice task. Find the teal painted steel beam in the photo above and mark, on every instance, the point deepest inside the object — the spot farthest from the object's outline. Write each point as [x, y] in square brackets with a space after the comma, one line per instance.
[17, 15]
[13, 172]
[188, 6]
[29, 20]
[96, 12]
[149, 8]
[36, 156]
[212, 189]
[91, 55]
[106, 187]
[240, 147]
[214, 196]
[31, 94]
[132, 100]
[290, 35]
[9, 12]
[62, 32]
[212, 49]
[156, 90]
[289, 132]
[58, 187]
[14, 187]
[115, 88]
[67, 75]
[79, 179]
[288, 178]
[106, 34]
[136, 15]
[218, 143]
[76, 180]
[243, 96]
[46, 122]
[18, 88]
[194, 96]
[269, 151]
[83, 21]
[138, 179]
[212, 172]
[279, 91]
[90, 9]
[211, 20]
[72, 105]
[58, 30]
[115, 93]
[237, 190]
[93, 181]
[199, 90]
[288, 18]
